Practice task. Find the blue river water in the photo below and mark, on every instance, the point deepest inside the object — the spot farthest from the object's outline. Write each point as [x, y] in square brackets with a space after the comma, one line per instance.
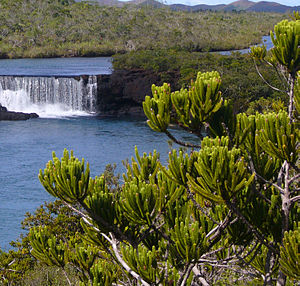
[56, 66]
[26, 147]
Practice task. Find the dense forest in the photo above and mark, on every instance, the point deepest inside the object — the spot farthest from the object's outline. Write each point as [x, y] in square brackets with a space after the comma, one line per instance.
[40, 28]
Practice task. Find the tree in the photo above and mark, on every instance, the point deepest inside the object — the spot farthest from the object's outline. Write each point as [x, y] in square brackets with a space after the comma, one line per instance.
[228, 206]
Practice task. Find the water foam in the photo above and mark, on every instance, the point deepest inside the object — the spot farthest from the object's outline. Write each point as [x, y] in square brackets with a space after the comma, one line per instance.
[49, 97]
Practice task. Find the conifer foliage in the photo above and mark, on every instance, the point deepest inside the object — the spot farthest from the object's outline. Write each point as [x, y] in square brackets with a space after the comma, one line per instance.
[231, 202]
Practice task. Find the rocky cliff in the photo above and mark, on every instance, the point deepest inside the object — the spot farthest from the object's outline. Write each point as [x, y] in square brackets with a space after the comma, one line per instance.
[123, 92]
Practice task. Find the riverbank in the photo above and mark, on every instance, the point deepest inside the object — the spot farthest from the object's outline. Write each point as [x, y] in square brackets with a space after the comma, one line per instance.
[43, 29]
[120, 91]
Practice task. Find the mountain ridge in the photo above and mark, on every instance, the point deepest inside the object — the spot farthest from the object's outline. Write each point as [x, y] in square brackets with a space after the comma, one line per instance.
[240, 5]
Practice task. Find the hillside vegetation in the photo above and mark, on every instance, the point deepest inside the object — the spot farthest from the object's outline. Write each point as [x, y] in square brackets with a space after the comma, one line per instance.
[40, 28]
[240, 81]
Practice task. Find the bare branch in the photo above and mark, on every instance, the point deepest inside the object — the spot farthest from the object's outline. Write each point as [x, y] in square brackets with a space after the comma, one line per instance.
[113, 243]
[10, 270]
[189, 145]
[280, 73]
[187, 129]
[295, 199]
[269, 183]
[248, 263]
[187, 274]
[273, 87]
[76, 210]
[199, 276]
[295, 178]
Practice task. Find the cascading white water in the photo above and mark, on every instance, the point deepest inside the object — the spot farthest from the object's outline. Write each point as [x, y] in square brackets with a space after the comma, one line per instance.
[49, 96]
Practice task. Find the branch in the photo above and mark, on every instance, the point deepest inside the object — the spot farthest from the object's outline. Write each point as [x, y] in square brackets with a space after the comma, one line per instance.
[189, 145]
[213, 252]
[191, 197]
[187, 274]
[219, 230]
[199, 276]
[197, 133]
[83, 215]
[295, 199]
[280, 74]
[280, 175]
[66, 275]
[260, 236]
[90, 224]
[256, 175]
[294, 178]
[273, 87]
[248, 263]
[113, 243]
[269, 183]
[111, 227]
[11, 270]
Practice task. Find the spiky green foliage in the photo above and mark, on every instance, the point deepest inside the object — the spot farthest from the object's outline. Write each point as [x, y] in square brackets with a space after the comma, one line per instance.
[278, 137]
[179, 166]
[190, 241]
[228, 203]
[143, 168]
[83, 257]
[221, 173]
[46, 248]
[103, 273]
[68, 174]
[258, 52]
[286, 39]
[290, 254]
[158, 108]
[144, 261]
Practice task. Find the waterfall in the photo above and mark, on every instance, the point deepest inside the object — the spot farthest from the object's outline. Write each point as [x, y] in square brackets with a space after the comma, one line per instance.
[49, 96]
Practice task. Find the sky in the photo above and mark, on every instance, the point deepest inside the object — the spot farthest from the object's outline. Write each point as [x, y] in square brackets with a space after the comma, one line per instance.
[214, 2]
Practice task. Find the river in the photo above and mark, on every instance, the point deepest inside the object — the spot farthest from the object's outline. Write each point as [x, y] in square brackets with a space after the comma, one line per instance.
[26, 146]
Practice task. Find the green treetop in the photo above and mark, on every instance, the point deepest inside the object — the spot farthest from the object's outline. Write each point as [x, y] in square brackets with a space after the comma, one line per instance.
[228, 206]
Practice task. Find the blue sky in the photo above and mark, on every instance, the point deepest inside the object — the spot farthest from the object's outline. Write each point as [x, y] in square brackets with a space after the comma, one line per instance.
[213, 2]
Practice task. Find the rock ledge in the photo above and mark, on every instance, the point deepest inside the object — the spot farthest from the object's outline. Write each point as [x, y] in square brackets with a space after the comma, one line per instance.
[12, 116]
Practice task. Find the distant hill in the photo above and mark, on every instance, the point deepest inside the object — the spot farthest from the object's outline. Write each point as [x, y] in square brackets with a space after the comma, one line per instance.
[240, 5]
[264, 6]
[195, 8]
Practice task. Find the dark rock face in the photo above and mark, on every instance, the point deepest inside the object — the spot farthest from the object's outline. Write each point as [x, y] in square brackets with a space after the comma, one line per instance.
[3, 108]
[11, 115]
[123, 92]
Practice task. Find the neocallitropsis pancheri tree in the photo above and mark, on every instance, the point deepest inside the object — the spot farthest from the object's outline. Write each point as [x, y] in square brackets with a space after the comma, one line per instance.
[228, 207]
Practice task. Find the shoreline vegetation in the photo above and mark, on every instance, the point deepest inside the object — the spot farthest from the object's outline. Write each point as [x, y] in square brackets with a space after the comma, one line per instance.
[224, 212]
[240, 81]
[165, 42]
[45, 29]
